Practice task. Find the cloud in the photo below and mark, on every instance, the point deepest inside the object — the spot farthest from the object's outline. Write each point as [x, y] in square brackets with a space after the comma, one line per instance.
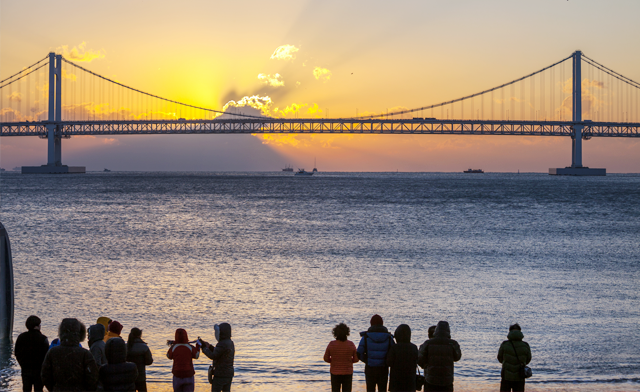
[15, 96]
[271, 80]
[322, 74]
[284, 52]
[67, 75]
[254, 105]
[80, 53]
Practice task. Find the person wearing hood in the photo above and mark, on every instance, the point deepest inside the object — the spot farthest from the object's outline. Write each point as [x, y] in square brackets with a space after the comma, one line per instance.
[512, 354]
[30, 349]
[341, 354]
[96, 344]
[138, 352]
[114, 330]
[372, 350]
[118, 374]
[69, 367]
[436, 356]
[402, 359]
[222, 355]
[183, 354]
[104, 321]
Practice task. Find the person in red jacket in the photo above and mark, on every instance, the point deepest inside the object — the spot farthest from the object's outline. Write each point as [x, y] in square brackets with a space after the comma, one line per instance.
[183, 355]
[341, 354]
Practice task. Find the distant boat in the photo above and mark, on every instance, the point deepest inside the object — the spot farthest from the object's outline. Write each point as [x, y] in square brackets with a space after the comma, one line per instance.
[473, 171]
[302, 172]
[1, 169]
[106, 170]
[287, 168]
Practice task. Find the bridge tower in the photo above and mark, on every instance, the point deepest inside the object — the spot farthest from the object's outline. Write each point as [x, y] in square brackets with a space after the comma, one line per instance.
[54, 125]
[576, 168]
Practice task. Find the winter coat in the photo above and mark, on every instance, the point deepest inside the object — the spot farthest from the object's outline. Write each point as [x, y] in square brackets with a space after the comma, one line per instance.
[506, 355]
[117, 374]
[379, 341]
[182, 354]
[223, 353]
[110, 335]
[402, 359]
[341, 355]
[69, 367]
[438, 354]
[30, 349]
[141, 356]
[96, 344]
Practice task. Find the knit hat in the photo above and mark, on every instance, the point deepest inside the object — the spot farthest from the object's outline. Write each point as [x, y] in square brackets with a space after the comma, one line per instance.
[115, 327]
[376, 320]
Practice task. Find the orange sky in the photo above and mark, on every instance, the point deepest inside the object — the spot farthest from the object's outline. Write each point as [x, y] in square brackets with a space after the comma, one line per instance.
[329, 58]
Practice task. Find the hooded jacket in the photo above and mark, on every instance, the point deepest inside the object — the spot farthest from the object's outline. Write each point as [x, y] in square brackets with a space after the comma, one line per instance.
[438, 354]
[69, 367]
[141, 356]
[30, 349]
[183, 354]
[223, 353]
[96, 344]
[506, 355]
[378, 341]
[402, 359]
[117, 374]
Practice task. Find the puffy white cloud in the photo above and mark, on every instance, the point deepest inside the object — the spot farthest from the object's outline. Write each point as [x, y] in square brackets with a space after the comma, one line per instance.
[284, 52]
[254, 105]
[271, 80]
[80, 53]
[322, 74]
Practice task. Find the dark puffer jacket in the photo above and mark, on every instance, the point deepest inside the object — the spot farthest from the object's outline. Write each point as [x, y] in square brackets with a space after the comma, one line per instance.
[506, 355]
[402, 359]
[378, 341]
[117, 374]
[438, 354]
[96, 344]
[141, 356]
[31, 348]
[69, 367]
[223, 353]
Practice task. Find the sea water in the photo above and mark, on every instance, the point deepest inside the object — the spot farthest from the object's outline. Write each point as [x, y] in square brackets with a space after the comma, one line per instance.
[283, 259]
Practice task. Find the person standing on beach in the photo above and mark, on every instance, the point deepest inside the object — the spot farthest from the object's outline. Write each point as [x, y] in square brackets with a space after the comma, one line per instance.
[222, 355]
[104, 321]
[183, 354]
[118, 374]
[30, 350]
[114, 330]
[138, 352]
[436, 356]
[402, 360]
[69, 367]
[512, 354]
[341, 354]
[96, 344]
[372, 350]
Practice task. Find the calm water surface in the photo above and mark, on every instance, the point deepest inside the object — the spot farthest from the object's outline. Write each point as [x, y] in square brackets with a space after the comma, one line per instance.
[283, 259]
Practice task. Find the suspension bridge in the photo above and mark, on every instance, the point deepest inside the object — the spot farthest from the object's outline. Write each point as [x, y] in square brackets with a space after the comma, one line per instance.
[575, 97]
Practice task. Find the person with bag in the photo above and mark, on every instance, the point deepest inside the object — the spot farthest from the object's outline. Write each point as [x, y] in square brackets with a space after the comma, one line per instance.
[403, 361]
[221, 370]
[436, 356]
[341, 354]
[372, 350]
[514, 354]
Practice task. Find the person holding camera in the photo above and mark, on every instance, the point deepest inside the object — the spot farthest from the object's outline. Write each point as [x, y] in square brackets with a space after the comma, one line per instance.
[221, 370]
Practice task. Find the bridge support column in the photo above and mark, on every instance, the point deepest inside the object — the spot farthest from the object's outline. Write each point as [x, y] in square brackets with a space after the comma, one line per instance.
[576, 168]
[54, 138]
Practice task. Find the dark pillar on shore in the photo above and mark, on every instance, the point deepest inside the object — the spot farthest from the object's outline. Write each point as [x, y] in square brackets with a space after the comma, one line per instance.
[6, 287]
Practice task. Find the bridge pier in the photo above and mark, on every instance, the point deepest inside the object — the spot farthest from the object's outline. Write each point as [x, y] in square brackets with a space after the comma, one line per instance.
[54, 139]
[576, 168]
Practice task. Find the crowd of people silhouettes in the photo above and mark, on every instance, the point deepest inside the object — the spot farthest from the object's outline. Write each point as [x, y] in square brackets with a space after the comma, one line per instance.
[111, 364]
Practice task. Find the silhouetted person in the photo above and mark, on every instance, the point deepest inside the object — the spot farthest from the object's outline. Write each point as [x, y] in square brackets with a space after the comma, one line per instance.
[138, 352]
[118, 374]
[96, 344]
[511, 380]
[31, 348]
[372, 350]
[437, 356]
[69, 367]
[222, 355]
[341, 354]
[183, 354]
[432, 330]
[114, 330]
[402, 360]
